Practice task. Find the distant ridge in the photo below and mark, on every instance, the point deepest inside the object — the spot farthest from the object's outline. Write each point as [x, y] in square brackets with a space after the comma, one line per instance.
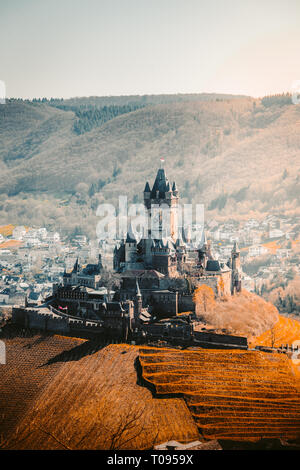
[146, 99]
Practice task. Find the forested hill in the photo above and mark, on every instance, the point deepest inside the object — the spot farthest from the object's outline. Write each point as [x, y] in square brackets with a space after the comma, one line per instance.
[60, 158]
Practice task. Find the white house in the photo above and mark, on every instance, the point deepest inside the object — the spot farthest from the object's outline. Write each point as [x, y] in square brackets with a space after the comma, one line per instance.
[18, 232]
[276, 233]
[53, 237]
[257, 250]
[283, 253]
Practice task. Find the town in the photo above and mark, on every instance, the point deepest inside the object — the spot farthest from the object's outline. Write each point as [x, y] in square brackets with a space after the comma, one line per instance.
[33, 258]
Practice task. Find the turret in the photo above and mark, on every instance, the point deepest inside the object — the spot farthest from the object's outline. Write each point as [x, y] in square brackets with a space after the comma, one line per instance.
[130, 246]
[203, 251]
[235, 257]
[168, 193]
[76, 267]
[138, 301]
[236, 285]
[147, 191]
[174, 189]
[100, 265]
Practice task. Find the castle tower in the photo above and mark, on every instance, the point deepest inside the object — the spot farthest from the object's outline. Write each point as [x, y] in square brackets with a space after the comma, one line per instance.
[130, 246]
[147, 191]
[138, 301]
[235, 257]
[180, 252]
[162, 203]
[76, 267]
[203, 251]
[236, 284]
[100, 265]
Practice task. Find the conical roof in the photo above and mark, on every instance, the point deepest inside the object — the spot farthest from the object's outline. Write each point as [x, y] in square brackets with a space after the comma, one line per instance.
[235, 247]
[76, 266]
[179, 241]
[130, 238]
[147, 188]
[160, 184]
[203, 241]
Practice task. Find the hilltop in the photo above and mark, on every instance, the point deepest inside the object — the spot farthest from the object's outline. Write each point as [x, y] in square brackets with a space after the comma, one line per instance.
[235, 155]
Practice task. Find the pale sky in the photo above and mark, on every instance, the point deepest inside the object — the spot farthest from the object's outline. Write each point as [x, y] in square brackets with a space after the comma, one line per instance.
[65, 48]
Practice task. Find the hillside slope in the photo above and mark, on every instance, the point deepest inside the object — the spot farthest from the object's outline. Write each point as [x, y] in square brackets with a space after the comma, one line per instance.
[58, 392]
[91, 397]
[230, 155]
[23, 377]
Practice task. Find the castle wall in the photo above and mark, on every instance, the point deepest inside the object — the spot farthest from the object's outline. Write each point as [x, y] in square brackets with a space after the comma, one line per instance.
[185, 303]
[219, 282]
[33, 319]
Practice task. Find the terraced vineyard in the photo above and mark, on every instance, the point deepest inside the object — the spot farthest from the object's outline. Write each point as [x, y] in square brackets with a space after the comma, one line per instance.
[239, 395]
[58, 392]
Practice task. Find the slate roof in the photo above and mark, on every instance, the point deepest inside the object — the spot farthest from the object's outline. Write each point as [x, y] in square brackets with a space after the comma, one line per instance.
[213, 265]
[160, 184]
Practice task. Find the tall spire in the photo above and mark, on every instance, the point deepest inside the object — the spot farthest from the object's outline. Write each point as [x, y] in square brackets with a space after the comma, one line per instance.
[203, 241]
[147, 188]
[130, 235]
[76, 266]
[137, 291]
[235, 248]
[160, 184]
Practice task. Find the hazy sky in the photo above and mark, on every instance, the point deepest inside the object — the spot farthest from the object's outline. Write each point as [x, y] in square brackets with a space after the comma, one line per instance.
[65, 48]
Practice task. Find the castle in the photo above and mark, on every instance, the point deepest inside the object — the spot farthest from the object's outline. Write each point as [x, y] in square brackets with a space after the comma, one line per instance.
[165, 262]
[89, 276]
[158, 276]
[165, 265]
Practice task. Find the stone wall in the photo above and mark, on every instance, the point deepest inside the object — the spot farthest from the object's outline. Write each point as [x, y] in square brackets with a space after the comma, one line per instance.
[220, 282]
[33, 319]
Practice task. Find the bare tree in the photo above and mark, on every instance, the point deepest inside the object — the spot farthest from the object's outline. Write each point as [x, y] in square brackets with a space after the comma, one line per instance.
[272, 336]
[129, 426]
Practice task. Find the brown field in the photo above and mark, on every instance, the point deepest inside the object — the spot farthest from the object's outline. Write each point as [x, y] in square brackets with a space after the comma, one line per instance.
[58, 392]
[24, 377]
[239, 395]
[92, 394]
